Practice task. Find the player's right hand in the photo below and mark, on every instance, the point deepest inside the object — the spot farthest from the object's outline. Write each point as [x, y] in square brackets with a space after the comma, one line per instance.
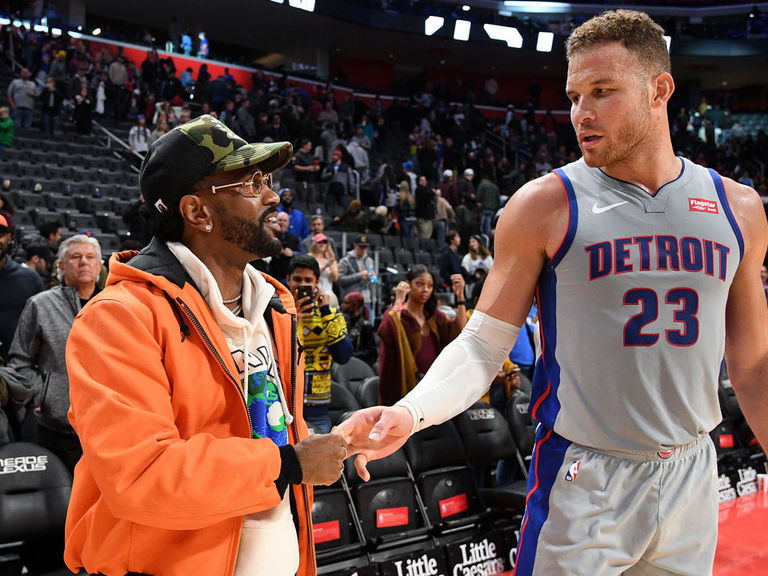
[375, 433]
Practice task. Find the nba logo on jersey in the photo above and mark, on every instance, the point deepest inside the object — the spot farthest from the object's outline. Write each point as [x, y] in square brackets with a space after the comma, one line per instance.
[664, 454]
[573, 469]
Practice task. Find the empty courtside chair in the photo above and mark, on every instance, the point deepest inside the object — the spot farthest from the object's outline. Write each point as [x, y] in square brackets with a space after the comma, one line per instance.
[35, 487]
[351, 374]
[443, 478]
[522, 427]
[368, 393]
[336, 528]
[342, 401]
[388, 505]
[487, 439]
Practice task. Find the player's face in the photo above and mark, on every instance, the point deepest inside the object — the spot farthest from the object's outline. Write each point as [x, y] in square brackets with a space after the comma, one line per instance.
[610, 107]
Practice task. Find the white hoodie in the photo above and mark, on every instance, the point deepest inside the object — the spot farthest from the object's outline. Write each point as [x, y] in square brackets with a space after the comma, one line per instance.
[269, 535]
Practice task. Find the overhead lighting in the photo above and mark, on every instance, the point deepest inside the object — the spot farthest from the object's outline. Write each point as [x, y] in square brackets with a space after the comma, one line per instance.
[308, 5]
[465, 7]
[506, 34]
[56, 31]
[544, 42]
[96, 31]
[668, 40]
[540, 7]
[432, 24]
[4, 22]
[278, 1]
[40, 28]
[461, 30]
[74, 34]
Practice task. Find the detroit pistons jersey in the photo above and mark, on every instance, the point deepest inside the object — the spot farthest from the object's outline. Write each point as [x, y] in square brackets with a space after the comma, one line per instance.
[632, 310]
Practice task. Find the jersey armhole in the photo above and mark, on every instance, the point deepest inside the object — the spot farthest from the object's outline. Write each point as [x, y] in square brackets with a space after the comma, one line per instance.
[573, 217]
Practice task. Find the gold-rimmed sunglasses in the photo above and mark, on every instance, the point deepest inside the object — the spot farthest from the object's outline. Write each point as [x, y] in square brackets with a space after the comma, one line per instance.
[253, 187]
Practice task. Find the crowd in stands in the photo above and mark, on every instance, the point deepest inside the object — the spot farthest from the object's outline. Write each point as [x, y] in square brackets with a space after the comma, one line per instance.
[430, 180]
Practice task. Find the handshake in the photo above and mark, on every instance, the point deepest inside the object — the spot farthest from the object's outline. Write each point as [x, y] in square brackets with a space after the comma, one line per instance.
[370, 434]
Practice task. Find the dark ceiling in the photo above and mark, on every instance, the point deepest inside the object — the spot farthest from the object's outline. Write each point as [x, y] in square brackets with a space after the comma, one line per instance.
[278, 34]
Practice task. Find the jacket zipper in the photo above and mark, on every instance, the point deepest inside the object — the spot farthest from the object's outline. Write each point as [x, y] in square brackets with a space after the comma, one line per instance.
[305, 492]
[218, 357]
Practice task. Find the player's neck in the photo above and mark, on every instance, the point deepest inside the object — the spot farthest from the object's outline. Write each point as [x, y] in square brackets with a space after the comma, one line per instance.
[650, 169]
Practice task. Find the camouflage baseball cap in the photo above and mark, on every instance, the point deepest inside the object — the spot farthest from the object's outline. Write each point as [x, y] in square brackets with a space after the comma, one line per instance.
[185, 155]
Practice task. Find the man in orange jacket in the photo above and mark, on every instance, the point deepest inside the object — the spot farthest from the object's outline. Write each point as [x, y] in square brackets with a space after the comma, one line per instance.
[183, 381]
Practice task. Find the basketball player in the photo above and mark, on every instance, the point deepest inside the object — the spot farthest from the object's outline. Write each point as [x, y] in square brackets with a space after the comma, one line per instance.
[645, 268]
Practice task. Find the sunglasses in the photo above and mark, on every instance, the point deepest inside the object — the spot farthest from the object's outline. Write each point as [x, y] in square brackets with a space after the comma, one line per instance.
[253, 187]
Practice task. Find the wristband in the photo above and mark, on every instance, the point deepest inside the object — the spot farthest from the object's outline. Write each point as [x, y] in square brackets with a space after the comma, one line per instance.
[462, 303]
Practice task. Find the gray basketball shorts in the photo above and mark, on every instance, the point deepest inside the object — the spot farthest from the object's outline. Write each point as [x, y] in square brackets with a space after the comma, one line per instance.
[598, 513]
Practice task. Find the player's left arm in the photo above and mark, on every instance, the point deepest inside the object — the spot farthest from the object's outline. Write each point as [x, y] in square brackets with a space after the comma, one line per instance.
[746, 344]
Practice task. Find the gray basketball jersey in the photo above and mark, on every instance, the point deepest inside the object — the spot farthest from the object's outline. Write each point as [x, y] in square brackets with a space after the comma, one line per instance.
[632, 311]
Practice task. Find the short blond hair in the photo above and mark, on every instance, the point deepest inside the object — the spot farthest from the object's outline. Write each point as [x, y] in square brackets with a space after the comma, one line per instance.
[635, 30]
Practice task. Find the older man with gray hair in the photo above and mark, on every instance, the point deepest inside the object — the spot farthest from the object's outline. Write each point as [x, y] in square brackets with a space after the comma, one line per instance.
[38, 348]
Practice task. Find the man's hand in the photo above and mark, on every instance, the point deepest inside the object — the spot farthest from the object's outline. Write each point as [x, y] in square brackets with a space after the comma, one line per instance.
[322, 298]
[363, 274]
[375, 433]
[322, 458]
[305, 306]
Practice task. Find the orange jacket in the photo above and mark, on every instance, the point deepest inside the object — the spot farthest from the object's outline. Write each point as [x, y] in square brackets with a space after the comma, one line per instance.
[169, 467]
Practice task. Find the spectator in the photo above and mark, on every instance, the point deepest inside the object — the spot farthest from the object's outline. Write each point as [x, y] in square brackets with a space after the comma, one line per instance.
[8, 209]
[444, 216]
[206, 383]
[466, 188]
[38, 349]
[278, 266]
[21, 97]
[17, 285]
[413, 336]
[357, 270]
[160, 128]
[139, 135]
[489, 200]
[50, 230]
[354, 219]
[58, 70]
[478, 256]
[406, 205]
[317, 226]
[359, 327]
[83, 112]
[306, 168]
[323, 334]
[138, 227]
[450, 263]
[6, 128]
[245, 120]
[448, 188]
[298, 221]
[186, 43]
[338, 173]
[39, 257]
[50, 107]
[203, 47]
[425, 208]
[321, 251]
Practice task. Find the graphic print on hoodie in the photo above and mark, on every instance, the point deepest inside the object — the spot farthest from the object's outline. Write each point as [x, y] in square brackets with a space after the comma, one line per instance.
[267, 417]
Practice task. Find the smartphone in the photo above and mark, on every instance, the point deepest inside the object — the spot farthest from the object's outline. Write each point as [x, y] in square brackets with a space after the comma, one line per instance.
[305, 291]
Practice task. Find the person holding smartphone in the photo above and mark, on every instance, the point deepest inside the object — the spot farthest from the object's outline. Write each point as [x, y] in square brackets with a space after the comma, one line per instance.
[323, 333]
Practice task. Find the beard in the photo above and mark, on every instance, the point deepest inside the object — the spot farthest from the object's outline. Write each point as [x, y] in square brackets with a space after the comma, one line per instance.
[628, 137]
[250, 236]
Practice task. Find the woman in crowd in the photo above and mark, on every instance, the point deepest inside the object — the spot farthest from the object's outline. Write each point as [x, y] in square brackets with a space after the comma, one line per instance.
[329, 267]
[414, 333]
[160, 129]
[478, 256]
[406, 209]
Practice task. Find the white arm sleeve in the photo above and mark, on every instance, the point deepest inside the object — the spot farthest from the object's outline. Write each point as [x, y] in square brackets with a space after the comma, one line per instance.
[462, 372]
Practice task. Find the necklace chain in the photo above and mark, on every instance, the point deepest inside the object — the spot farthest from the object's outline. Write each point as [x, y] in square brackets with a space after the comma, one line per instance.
[233, 300]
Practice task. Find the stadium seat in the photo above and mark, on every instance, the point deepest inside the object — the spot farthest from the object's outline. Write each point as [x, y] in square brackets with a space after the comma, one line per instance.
[34, 495]
[522, 427]
[443, 478]
[352, 374]
[342, 400]
[387, 504]
[335, 529]
[404, 257]
[368, 393]
[487, 439]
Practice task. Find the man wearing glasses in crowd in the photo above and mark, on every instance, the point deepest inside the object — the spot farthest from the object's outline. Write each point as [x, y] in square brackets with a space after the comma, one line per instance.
[186, 381]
